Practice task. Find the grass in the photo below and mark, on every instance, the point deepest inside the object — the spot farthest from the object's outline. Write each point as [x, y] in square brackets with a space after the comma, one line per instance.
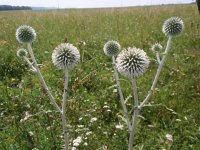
[174, 106]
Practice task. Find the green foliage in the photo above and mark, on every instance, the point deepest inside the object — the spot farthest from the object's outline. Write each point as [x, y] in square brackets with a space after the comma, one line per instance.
[26, 119]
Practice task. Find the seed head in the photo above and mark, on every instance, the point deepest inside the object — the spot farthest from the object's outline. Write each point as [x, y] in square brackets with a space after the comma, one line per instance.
[156, 47]
[132, 62]
[25, 34]
[22, 52]
[65, 55]
[173, 26]
[112, 48]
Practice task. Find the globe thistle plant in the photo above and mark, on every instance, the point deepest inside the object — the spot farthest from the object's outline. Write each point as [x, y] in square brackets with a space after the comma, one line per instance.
[65, 55]
[25, 34]
[173, 26]
[156, 47]
[112, 48]
[132, 62]
[22, 53]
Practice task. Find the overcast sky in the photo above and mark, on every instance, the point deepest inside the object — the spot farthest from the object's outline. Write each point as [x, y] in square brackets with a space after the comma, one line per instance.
[88, 3]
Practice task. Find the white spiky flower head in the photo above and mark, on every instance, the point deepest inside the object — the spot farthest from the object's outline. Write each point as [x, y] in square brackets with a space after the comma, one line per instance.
[173, 26]
[112, 48]
[132, 62]
[25, 34]
[156, 47]
[22, 53]
[65, 55]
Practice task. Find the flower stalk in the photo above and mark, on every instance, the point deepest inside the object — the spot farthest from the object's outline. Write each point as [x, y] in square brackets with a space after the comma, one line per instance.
[158, 57]
[64, 120]
[42, 79]
[135, 115]
[157, 73]
[29, 63]
[121, 95]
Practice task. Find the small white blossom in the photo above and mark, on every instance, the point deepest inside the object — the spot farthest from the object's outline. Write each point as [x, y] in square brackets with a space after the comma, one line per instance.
[114, 90]
[121, 127]
[85, 144]
[80, 126]
[169, 139]
[88, 133]
[178, 120]
[93, 119]
[106, 106]
[74, 148]
[30, 133]
[27, 116]
[77, 141]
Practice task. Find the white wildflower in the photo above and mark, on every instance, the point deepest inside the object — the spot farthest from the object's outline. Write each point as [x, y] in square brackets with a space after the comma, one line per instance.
[77, 141]
[169, 139]
[88, 133]
[121, 127]
[93, 119]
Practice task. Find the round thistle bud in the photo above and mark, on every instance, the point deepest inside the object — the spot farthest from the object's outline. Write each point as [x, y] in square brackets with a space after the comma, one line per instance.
[21, 53]
[156, 47]
[65, 55]
[25, 34]
[173, 26]
[112, 48]
[132, 62]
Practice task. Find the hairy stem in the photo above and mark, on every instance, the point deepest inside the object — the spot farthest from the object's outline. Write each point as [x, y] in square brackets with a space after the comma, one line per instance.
[64, 120]
[121, 95]
[29, 63]
[157, 73]
[158, 57]
[135, 116]
[42, 79]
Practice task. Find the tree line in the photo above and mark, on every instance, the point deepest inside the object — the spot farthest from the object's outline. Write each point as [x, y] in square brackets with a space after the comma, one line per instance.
[8, 7]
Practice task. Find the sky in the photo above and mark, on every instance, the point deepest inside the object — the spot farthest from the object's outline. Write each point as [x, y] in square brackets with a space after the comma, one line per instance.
[89, 3]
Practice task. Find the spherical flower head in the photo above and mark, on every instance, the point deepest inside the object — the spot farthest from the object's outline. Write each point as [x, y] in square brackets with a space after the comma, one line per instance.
[25, 34]
[132, 62]
[22, 53]
[65, 55]
[156, 47]
[112, 48]
[173, 26]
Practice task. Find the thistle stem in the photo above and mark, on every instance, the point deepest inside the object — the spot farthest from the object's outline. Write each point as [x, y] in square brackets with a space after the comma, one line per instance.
[158, 57]
[135, 116]
[29, 63]
[157, 73]
[121, 94]
[42, 79]
[64, 120]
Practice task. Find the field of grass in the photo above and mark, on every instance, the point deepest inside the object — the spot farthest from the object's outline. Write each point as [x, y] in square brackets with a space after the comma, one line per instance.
[27, 118]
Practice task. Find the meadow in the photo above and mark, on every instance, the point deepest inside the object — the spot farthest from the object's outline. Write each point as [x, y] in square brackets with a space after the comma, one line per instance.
[27, 118]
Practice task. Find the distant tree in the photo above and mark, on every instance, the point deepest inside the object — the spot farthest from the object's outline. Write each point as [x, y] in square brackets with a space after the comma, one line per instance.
[8, 7]
[198, 5]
